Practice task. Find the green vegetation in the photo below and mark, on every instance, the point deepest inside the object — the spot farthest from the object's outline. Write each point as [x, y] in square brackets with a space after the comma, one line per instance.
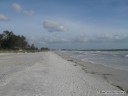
[12, 42]
[44, 49]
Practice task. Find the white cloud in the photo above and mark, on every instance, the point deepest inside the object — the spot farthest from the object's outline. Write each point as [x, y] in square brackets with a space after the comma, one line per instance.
[19, 8]
[97, 39]
[53, 26]
[28, 13]
[81, 38]
[3, 17]
[108, 38]
[52, 39]
[55, 40]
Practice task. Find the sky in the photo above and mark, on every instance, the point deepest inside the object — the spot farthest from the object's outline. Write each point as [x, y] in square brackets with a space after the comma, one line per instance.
[68, 24]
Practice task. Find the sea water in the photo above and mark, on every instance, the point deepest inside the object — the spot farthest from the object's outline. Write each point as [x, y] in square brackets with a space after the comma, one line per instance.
[114, 59]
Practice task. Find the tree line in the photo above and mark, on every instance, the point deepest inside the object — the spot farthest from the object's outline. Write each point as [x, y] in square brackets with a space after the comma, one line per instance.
[11, 41]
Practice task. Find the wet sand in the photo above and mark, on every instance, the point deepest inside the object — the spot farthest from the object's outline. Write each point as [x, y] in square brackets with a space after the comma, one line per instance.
[115, 77]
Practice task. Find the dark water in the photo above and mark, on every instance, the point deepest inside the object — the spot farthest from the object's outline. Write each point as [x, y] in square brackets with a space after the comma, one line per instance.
[115, 59]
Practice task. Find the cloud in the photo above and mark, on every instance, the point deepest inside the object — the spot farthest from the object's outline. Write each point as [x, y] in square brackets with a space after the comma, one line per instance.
[99, 39]
[53, 26]
[108, 39]
[19, 8]
[28, 13]
[55, 40]
[80, 41]
[3, 18]
[81, 38]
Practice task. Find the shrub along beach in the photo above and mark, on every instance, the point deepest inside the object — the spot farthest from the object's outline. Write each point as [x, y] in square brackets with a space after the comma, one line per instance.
[10, 42]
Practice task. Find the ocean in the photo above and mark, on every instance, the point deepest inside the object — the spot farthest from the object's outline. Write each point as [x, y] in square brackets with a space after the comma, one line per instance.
[114, 59]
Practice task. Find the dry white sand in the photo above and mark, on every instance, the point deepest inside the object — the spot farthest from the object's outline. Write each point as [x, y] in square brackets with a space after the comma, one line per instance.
[51, 75]
[2, 54]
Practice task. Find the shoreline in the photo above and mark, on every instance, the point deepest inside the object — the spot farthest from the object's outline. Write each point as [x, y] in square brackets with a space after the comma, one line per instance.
[48, 74]
[115, 77]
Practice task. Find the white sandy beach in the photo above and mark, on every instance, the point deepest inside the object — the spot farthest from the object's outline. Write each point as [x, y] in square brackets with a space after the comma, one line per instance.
[115, 77]
[47, 74]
